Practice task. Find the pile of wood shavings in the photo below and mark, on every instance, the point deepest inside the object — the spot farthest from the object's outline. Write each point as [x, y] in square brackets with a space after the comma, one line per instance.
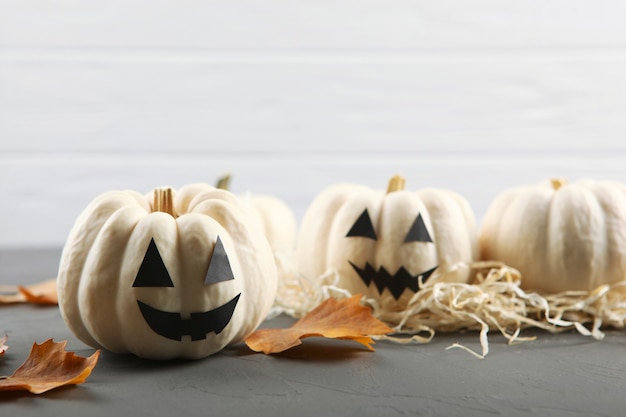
[493, 300]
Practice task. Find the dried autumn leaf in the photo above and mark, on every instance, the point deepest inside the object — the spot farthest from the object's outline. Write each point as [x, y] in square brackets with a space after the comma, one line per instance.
[9, 294]
[44, 292]
[41, 293]
[49, 366]
[3, 344]
[333, 319]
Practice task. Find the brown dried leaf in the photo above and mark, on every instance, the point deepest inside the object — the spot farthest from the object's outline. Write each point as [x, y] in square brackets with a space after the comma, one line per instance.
[41, 293]
[49, 366]
[44, 293]
[333, 319]
[3, 344]
[9, 294]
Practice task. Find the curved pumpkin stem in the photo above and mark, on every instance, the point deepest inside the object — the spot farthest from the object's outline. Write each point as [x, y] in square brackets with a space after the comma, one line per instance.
[223, 182]
[558, 183]
[396, 183]
[164, 201]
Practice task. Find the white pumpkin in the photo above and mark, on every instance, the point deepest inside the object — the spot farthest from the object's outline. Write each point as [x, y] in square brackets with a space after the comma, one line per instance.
[276, 220]
[382, 244]
[559, 236]
[182, 274]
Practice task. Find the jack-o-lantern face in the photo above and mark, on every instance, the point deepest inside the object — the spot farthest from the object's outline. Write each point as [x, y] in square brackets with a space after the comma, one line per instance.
[402, 280]
[384, 245]
[181, 275]
[153, 273]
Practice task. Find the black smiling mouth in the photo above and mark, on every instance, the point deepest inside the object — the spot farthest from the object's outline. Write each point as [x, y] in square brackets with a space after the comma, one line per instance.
[396, 283]
[173, 326]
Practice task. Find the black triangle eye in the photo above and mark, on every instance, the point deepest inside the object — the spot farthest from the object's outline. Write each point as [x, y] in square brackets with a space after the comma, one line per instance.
[362, 227]
[219, 265]
[152, 272]
[418, 232]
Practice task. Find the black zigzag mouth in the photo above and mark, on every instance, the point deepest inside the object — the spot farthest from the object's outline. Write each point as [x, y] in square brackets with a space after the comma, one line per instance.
[174, 327]
[396, 283]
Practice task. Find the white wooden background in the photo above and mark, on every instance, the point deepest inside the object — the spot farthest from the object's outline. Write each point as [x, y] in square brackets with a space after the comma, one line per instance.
[292, 96]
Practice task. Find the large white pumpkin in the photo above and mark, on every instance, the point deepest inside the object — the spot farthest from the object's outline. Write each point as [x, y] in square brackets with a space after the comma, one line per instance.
[559, 236]
[171, 274]
[382, 244]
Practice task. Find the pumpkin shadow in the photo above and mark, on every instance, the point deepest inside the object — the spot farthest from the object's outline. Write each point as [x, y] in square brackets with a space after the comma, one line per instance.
[130, 362]
[311, 350]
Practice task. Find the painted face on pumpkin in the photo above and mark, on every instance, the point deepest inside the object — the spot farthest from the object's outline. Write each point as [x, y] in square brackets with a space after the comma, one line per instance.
[153, 273]
[402, 280]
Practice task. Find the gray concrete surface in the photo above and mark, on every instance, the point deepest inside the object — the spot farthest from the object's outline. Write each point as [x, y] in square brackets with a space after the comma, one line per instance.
[556, 375]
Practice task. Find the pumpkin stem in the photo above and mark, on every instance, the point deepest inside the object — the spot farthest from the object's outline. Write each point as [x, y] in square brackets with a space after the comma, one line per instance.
[223, 182]
[558, 183]
[396, 183]
[164, 201]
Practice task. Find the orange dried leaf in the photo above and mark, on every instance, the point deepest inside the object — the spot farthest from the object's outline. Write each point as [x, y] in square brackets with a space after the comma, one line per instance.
[333, 319]
[10, 295]
[44, 292]
[49, 366]
[41, 293]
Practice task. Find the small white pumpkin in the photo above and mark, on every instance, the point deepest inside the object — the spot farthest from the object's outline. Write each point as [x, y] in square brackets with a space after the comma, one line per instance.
[171, 274]
[559, 236]
[276, 220]
[382, 244]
